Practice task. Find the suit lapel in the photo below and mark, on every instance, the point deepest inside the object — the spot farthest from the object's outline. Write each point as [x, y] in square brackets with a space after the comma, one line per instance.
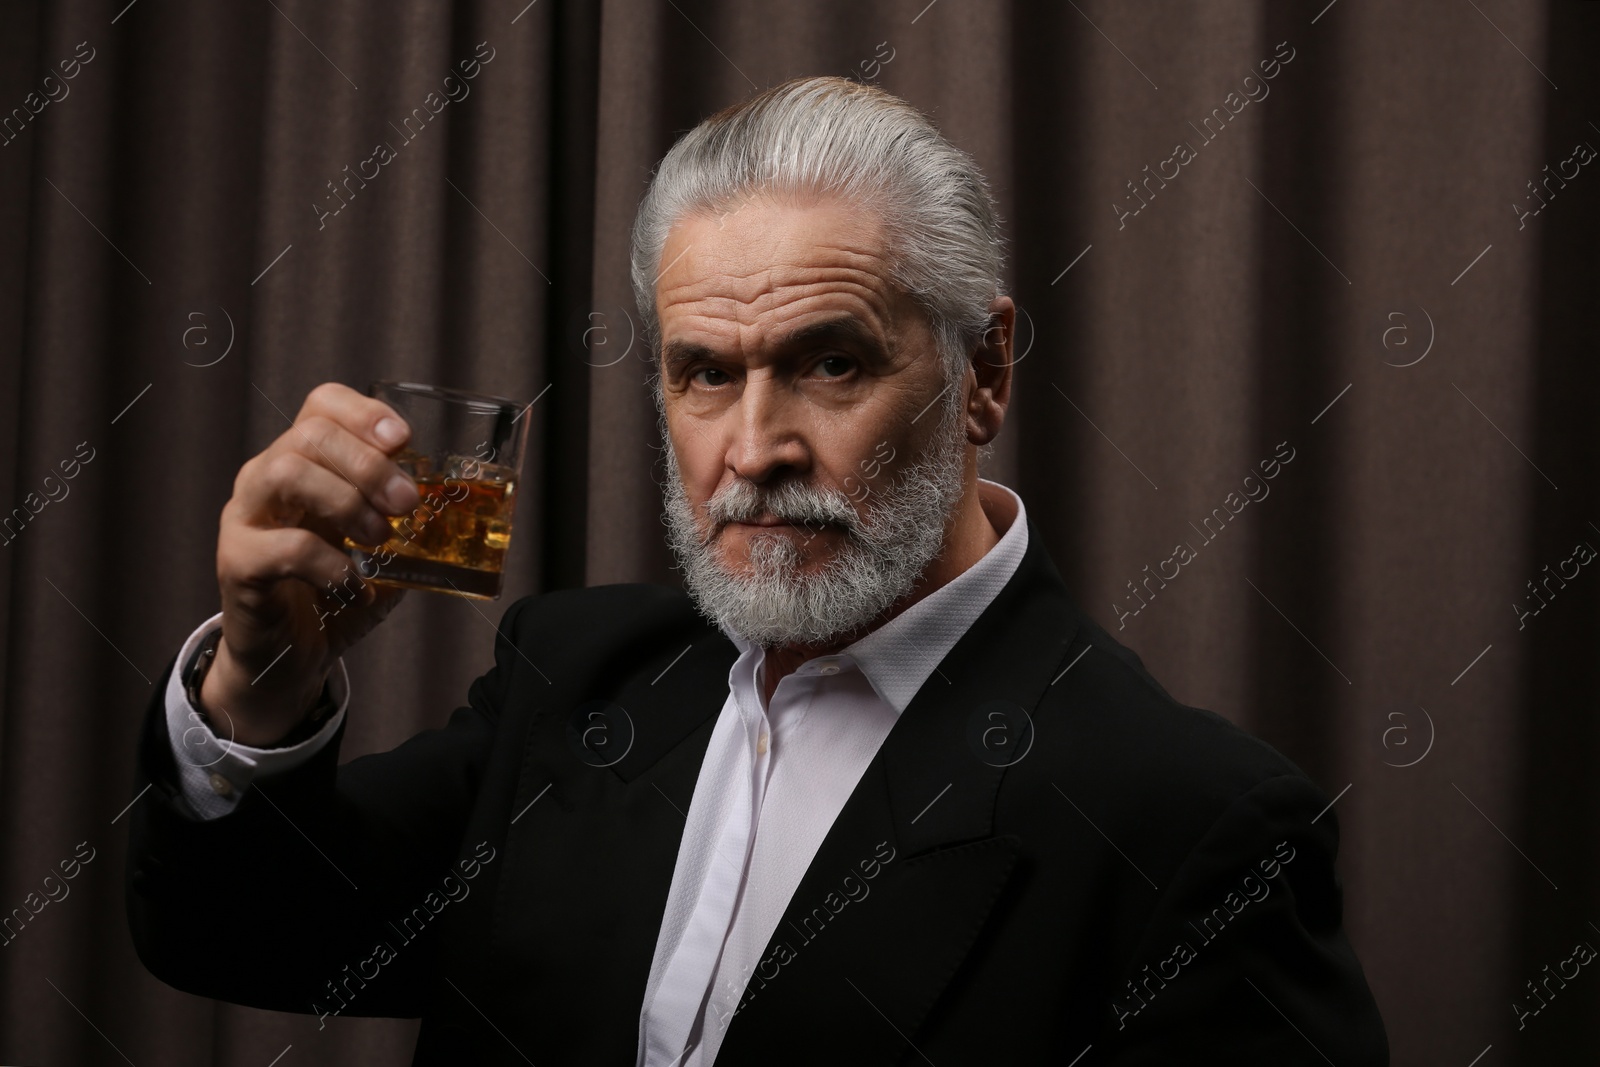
[595, 825]
[869, 944]
[891, 903]
[669, 702]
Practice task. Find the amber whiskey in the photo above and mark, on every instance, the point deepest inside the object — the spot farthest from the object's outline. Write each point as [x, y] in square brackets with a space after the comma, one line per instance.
[454, 540]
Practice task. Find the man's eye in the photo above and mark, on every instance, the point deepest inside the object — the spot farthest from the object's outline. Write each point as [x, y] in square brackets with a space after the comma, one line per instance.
[842, 364]
[706, 370]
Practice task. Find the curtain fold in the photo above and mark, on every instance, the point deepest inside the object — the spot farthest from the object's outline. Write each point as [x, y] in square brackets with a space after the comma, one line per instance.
[1350, 244]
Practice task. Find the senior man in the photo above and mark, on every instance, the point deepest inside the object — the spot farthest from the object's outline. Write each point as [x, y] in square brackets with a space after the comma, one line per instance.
[877, 792]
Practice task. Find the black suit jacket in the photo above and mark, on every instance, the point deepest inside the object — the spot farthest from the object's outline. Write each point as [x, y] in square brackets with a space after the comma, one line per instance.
[1146, 882]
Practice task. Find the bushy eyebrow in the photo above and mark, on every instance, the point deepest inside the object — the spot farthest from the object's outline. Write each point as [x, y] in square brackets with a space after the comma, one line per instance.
[847, 329]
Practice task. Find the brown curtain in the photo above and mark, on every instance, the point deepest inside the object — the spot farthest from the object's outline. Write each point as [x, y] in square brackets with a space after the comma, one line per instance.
[1380, 262]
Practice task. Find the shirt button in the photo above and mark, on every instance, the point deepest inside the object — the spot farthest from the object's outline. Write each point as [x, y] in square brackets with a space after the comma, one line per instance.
[828, 668]
[220, 785]
[761, 744]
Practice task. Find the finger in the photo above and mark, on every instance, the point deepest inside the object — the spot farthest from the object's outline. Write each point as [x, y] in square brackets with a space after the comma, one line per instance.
[367, 417]
[328, 445]
[295, 491]
[332, 444]
[254, 556]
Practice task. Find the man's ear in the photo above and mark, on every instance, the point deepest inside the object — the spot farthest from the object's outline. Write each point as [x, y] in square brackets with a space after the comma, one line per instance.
[991, 363]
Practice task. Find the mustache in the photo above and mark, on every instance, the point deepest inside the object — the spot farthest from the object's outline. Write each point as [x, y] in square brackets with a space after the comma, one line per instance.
[794, 502]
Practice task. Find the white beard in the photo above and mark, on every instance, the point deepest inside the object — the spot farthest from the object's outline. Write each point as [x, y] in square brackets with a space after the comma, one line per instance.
[877, 562]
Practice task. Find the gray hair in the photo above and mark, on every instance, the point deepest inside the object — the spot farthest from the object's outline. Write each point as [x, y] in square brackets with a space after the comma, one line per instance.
[834, 136]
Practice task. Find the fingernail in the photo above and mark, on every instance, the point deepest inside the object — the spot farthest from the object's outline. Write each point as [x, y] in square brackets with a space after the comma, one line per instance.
[390, 432]
[401, 492]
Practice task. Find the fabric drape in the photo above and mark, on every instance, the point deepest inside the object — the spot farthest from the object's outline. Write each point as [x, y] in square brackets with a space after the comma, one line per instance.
[1352, 244]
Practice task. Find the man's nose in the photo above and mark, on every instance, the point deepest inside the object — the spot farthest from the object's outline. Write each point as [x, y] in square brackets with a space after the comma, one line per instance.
[767, 439]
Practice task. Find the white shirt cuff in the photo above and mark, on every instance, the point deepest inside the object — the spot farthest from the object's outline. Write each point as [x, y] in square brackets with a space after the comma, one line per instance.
[214, 772]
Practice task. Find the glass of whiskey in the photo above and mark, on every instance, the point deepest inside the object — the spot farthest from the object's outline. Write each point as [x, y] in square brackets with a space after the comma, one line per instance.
[464, 454]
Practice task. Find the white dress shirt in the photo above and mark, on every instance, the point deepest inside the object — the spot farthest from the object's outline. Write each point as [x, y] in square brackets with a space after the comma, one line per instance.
[773, 781]
[215, 771]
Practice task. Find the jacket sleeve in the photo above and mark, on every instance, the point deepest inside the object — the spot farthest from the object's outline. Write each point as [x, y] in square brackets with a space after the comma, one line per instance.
[215, 772]
[1245, 959]
[279, 903]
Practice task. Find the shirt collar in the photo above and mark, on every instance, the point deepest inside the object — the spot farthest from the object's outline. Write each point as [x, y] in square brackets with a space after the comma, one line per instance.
[899, 656]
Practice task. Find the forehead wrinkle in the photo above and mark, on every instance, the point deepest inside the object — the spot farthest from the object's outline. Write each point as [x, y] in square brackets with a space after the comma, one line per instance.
[741, 276]
[780, 302]
[773, 275]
